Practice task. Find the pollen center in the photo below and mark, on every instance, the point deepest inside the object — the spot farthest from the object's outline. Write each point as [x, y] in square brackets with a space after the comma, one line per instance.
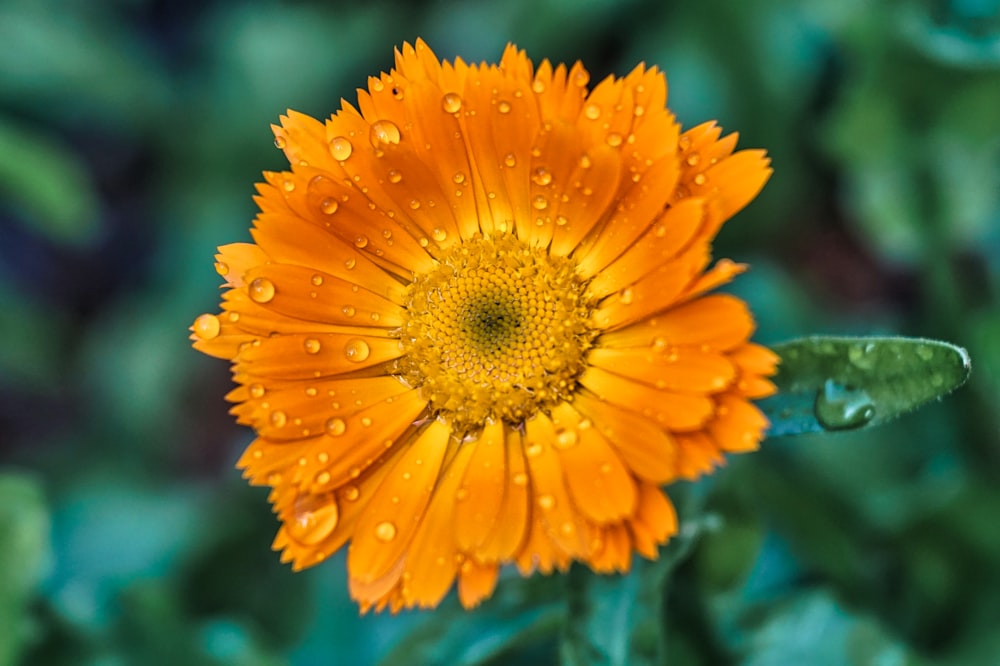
[498, 330]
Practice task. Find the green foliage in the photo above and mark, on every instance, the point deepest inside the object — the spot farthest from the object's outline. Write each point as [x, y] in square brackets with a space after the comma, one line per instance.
[849, 383]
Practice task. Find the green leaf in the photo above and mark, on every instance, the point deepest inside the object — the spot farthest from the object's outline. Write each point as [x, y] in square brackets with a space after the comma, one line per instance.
[617, 620]
[24, 533]
[827, 383]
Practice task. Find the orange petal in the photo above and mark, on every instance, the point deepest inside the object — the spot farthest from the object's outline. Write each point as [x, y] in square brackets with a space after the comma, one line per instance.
[387, 526]
[683, 369]
[511, 527]
[235, 259]
[669, 409]
[655, 520]
[719, 321]
[739, 425]
[599, 482]
[305, 356]
[649, 452]
[480, 497]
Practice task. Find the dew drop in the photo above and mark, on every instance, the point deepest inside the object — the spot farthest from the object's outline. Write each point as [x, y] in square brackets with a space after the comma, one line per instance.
[350, 263]
[540, 202]
[699, 179]
[289, 185]
[566, 439]
[503, 107]
[222, 268]
[311, 345]
[459, 178]
[533, 450]
[451, 102]
[840, 407]
[323, 478]
[341, 148]
[627, 295]
[261, 290]
[639, 110]
[586, 162]
[361, 242]
[335, 427]
[278, 419]
[541, 176]
[357, 350]
[394, 176]
[862, 356]
[520, 479]
[925, 352]
[659, 344]
[547, 502]
[280, 143]
[592, 111]
[614, 139]
[351, 493]
[414, 204]
[439, 234]
[316, 516]
[348, 310]
[329, 206]
[693, 159]
[510, 160]
[385, 531]
[561, 220]
[366, 421]
[316, 279]
[207, 326]
[257, 391]
[383, 132]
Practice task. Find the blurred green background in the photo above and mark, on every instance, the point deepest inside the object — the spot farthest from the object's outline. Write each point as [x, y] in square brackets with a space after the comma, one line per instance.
[131, 133]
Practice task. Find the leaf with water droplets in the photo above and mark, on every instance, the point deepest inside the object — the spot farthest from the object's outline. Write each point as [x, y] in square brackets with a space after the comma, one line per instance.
[828, 384]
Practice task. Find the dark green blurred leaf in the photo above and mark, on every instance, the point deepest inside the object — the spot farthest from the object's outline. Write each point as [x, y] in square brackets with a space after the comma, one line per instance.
[49, 184]
[521, 614]
[813, 629]
[850, 383]
[24, 558]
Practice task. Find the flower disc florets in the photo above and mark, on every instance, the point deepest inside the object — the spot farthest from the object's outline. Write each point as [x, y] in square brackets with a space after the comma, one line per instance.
[499, 330]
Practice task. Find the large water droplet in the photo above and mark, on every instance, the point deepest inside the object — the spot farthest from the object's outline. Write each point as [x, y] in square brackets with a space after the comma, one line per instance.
[340, 148]
[540, 202]
[383, 132]
[592, 111]
[357, 350]
[207, 326]
[451, 103]
[222, 268]
[395, 176]
[329, 206]
[278, 418]
[510, 159]
[261, 290]
[439, 234]
[311, 345]
[840, 407]
[257, 391]
[335, 427]
[385, 531]
[316, 516]
[503, 107]
[862, 356]
[541, 176]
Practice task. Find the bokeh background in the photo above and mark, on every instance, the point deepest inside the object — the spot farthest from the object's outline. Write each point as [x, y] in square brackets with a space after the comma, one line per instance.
[131, 133]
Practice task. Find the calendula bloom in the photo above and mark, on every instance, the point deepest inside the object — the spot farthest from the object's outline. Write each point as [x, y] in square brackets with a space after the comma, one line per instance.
[474, 329]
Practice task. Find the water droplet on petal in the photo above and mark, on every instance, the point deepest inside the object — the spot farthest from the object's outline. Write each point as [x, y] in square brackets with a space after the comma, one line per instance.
[207, 326]
[520, 479]
[510, 160]
[335, 427]
[323, 478]
[261, 290]
[540, 202]
[351, 493]
[350, 263]
[361, 241]
[503, 107]
[257, 391]
[538, 86]
[395, 176]
[348, 310]
[566, 439]
[316, 279]
[222, 268]
[451, 102]
[311, 345]
[385, 531]
[614, 139]
[840, 407]
[278, 418]
[316, 516]
[592, 111]
[862, 356]
[547, 502]
[459, 178]
[280, 143]
[627, 295]
[340, 148]
[357, 350]
[384, 132]
[586, 162]
[533, 450]
[561, 220]
[700, 179]
[329, 206]
[439, 234]
[541, 176]
[289, 185]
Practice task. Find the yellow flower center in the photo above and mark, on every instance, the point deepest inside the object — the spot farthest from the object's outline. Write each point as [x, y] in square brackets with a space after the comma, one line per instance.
[498, 330]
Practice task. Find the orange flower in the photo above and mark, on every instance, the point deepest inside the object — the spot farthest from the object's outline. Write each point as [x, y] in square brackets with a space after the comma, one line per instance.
[473, 329]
